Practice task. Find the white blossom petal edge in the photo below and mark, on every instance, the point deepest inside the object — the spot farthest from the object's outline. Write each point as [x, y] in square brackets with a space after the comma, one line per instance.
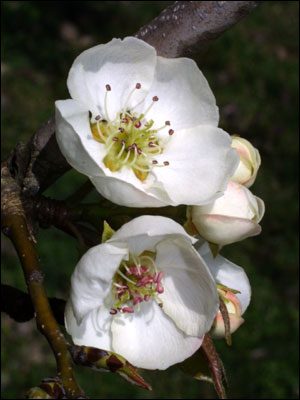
[143, 128]
[227, 273]
[145, 294]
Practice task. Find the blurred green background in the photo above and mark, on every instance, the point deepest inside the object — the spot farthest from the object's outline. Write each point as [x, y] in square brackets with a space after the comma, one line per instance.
[253, 72]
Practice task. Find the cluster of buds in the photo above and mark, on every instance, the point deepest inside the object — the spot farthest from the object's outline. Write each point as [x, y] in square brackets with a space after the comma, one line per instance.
[236, 214]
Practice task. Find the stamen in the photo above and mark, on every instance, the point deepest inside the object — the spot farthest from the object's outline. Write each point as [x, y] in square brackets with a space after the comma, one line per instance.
[99, 131]
[125, 277]
[134, 158]
[113, 311]
[151, 260]
[154, 99]
[166, 163]
[126, 158]
[108, 89]
[122, 149]
[171, 131]
[137, 86]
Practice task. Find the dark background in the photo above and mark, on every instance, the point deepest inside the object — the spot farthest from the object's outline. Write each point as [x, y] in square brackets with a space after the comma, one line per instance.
[253, 72]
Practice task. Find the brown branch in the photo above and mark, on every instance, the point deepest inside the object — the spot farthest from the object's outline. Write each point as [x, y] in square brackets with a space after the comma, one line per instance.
[18, 305]
[186, 27]
[14, 225]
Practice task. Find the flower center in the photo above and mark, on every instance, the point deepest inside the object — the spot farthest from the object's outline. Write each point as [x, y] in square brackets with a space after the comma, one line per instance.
[136, 280]
[129, 139]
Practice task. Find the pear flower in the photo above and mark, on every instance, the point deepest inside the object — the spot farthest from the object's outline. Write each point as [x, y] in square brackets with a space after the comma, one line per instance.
[145, 294]
[231, 218]
[246, 171]
[143, 128]
[234, 288]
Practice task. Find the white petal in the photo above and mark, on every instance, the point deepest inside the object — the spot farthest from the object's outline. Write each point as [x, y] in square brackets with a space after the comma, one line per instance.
[185, 97]
[91, 279]
[130, 192]
[149, 338]
[190, 296]
[143, 233]
[224, 230]
[74, 137]
[228, 274]
[121, 64]
[94, 330]
[201, 161]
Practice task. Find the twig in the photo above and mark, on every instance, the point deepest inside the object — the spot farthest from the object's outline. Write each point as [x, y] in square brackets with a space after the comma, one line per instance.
[18, 305]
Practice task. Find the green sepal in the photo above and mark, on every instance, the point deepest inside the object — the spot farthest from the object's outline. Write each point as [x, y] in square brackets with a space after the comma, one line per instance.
[100, 360]
[108, 232]
[227, 289]
[214, 248]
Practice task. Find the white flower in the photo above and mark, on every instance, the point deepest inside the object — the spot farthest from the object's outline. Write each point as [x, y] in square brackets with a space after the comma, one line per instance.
[250, 161]
[143, 127]
[231, 276]
[145, 294]
[230, 218]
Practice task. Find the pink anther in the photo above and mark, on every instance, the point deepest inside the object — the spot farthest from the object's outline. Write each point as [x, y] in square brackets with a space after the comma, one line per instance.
[113, 311]
[128, 309]
[159, 288]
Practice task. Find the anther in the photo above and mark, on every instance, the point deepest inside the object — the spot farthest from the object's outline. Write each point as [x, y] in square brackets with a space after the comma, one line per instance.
[115, 139]
[166, 163]
[123, 142]
[155, 98]
[108, 88]
[150, 144]
[138, 85]
[168, 123]
[139, 151]
[171, 132]
[138, 124]
[97, 117]
[121, 130]
[128, 309]
[154, 162]
[113, 311]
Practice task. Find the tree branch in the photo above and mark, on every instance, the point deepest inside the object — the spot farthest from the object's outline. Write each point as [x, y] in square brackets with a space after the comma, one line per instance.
[186, 27]
[14, 225]
[18, 305]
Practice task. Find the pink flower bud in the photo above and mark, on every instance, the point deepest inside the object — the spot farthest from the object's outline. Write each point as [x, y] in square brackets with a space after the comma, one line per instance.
[234, 309]
[246, 171]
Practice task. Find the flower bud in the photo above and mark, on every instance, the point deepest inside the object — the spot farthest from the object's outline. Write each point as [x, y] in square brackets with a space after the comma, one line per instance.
[231, 218]
[234, 309]
[246, 171]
